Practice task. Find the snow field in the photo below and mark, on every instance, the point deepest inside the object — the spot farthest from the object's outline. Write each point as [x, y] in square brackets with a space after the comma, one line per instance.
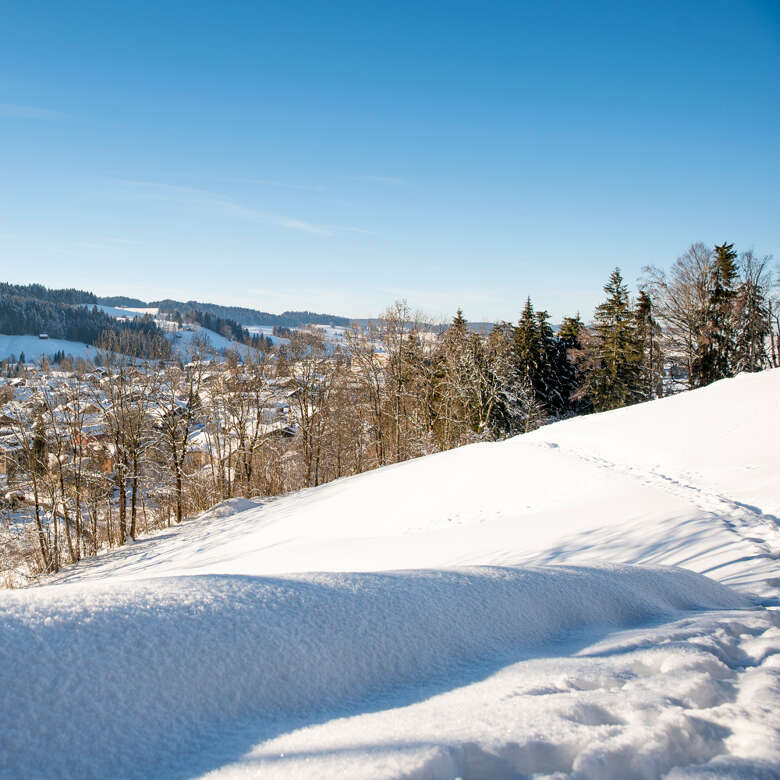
[128, 313]
[484, 635]
[34, 347]
[169, 661]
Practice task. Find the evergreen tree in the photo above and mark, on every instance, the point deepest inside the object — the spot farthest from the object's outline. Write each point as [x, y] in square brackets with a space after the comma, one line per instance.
[530, 354]
[558, 371]
[516, 408]
[528, 348]
[716, 355]
[543, 365]
[459, 325]
[615, 356]
[649, 335]
[570, 331]
[753, 320]
[571, 338]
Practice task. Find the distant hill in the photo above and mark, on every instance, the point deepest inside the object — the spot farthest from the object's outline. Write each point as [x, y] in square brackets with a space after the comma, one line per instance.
[239, 314]
[40, 293]
[70, 315]
[122, 302]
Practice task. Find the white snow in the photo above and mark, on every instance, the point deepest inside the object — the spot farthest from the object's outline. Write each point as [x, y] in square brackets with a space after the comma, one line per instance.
[128, 312]
[34, 347]
[185, 338]
[268, 332]
[533, 607]
[182, 340]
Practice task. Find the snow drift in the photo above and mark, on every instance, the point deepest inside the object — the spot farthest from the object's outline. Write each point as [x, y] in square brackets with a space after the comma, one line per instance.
[167, 661]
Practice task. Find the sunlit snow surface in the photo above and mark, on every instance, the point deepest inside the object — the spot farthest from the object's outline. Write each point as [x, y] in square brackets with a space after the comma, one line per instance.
[514, 617]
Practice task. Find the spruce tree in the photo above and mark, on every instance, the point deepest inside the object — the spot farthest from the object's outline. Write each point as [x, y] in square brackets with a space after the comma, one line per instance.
[570, 331]
[649, 336]
[753, 321]
[716, 355]
[615, 355]
[542, 362]
[555, 382]
[529, 352]
[571, 338]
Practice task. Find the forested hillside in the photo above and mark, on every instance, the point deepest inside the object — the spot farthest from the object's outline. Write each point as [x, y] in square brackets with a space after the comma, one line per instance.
[73, 315]
[250, 316]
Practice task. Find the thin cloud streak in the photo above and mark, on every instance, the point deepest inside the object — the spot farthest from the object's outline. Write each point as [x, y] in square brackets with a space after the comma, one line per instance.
[29, 112]
[191, 195]
[359, 231]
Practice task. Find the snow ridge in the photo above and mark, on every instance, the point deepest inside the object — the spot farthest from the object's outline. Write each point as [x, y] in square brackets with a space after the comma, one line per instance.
[166, 661]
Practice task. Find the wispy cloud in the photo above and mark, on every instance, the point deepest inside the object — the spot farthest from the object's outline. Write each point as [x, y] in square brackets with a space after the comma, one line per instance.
[29, 112]
[199, 197]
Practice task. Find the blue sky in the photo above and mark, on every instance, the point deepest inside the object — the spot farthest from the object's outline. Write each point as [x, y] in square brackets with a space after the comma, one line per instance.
[338, 156]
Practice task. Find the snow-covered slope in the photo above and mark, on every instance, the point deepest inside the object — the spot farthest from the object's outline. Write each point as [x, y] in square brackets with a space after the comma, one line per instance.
[128, 313]
[184, 340]
[33, 347]
[459, 651]
[691, 480]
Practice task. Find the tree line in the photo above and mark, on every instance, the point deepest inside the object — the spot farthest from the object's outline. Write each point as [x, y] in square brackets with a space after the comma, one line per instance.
[41, 293]
[246, 316]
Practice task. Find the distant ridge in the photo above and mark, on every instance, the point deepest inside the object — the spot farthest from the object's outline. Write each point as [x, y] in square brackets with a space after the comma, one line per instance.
[241, 314]
[123, 302]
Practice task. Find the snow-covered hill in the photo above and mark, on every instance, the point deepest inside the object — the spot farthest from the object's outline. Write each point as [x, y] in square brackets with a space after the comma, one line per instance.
[33, 347]
[182, 340]
[592, 600]
[127, 313]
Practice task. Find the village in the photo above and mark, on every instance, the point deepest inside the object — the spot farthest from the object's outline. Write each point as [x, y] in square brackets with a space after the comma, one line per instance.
[176, 437]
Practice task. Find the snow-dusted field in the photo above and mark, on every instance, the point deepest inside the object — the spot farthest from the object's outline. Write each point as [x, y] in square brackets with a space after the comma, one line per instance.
[34, 347]
[128, 312]
[184, 339]
[593, 600]
[268, 332]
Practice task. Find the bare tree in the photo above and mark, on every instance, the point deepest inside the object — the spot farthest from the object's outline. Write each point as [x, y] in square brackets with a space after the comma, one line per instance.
[27, 424]
[681, 300]
[178, 409]
[369, 363]
[311, 377]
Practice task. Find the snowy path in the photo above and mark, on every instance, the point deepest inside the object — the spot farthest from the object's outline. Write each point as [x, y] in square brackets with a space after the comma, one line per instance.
[754, 526]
